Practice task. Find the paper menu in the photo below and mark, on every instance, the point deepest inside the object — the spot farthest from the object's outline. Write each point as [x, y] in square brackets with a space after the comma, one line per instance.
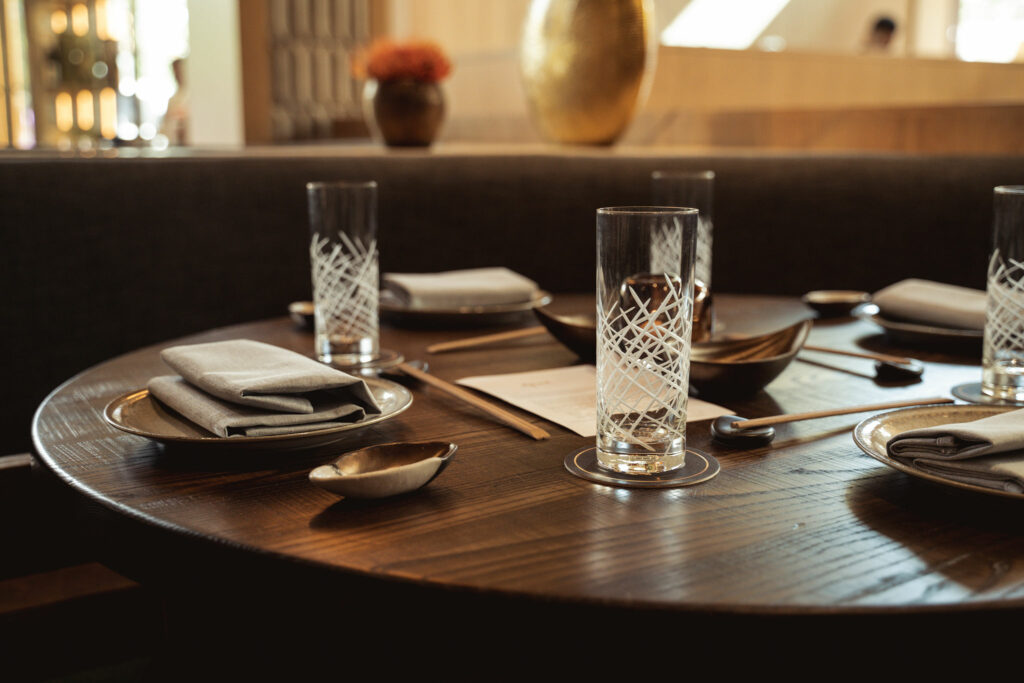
[565, 396]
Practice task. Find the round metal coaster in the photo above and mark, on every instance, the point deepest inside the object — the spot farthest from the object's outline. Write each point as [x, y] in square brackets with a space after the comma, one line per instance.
[386, 359]
[971, 392]
[699, 467]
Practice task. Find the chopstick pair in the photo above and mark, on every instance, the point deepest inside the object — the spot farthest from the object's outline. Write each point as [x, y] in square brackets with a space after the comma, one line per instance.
[473, 342]
[494, 411]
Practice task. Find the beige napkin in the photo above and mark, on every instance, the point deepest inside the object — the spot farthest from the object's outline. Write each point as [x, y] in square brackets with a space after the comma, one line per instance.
[987, 452]
[471, 287]
[260, 375]
[228, 419]
[933, 302]
[246, 388]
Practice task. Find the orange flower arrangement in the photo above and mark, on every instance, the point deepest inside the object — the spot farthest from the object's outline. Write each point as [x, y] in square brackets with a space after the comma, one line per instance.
[421, 61]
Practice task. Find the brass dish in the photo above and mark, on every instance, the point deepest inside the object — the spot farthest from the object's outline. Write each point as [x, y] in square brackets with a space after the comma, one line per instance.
[832, 303]
[384, 470]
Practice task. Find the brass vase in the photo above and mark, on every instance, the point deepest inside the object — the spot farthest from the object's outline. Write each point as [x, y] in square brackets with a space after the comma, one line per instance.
[404, 113]
[586, 66]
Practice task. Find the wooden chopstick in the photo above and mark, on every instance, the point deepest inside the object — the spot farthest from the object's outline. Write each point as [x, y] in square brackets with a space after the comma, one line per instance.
[796, 417]
[494, 411]
[471, 342]
[885, 358]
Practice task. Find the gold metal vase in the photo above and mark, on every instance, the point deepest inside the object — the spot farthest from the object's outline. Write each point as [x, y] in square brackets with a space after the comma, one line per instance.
[586, 66]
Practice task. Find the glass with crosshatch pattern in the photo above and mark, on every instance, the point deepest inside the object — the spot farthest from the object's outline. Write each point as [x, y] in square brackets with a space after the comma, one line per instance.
[1003, 354]
[694, 189]
[645, 284]
[343, 259]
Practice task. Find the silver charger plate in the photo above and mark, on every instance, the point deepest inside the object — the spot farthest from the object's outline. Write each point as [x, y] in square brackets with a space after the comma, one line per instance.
[697, 468]
[911, 333]
[140, 414]
[873, 433]
[394, 310]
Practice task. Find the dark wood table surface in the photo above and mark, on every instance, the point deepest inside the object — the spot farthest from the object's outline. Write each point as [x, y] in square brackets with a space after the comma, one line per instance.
[807, 526]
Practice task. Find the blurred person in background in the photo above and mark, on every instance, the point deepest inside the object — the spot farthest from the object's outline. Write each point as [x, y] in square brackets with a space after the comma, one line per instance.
[175, 121]
[880, 36]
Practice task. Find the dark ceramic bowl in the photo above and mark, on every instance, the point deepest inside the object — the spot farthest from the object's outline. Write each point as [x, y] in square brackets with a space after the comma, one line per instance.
[719, 368]
[732, 368]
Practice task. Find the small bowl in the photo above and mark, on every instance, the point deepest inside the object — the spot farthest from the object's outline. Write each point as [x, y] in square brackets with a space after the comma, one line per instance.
[302, 313]
[832, 303]
[384, 470]
[733, 368]
[719, 368]
[578, 333]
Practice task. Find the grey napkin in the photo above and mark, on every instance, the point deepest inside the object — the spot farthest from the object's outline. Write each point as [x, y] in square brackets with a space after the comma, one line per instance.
[933, 302]
[260, 375]
[229, 419]
[987, 452]
[450, 289]
[248, 388]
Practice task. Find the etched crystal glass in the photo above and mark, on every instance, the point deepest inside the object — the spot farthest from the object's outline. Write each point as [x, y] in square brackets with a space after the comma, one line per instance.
[343, 259]
[1003, 354]
[693, 189]
[645, 260]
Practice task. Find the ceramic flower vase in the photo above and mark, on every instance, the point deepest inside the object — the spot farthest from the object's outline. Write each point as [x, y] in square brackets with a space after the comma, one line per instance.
[404, 113]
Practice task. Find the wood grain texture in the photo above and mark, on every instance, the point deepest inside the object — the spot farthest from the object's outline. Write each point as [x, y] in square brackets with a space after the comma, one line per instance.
[807, 525]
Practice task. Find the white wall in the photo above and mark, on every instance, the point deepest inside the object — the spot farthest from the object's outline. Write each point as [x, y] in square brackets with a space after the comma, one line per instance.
[214, 74]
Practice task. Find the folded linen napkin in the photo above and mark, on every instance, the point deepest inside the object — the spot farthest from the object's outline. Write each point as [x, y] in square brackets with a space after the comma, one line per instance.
[231, 419]
[470, 287]
[261, 375]
[246, 388]
[987, 452]
[933, 302]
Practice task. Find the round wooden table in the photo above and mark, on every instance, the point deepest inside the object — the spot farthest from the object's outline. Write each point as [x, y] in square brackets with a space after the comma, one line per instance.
[787, 539]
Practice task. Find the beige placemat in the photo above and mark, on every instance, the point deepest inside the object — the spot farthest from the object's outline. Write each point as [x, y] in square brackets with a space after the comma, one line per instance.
[565, 396]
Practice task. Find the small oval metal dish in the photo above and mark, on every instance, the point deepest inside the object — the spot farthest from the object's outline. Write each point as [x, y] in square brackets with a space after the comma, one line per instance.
[832, 303]
[384, 470]
[302, 313]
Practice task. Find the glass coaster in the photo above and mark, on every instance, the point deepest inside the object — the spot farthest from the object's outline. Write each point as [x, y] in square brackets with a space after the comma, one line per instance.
[699, 467]
[386, 359]
[971, 392]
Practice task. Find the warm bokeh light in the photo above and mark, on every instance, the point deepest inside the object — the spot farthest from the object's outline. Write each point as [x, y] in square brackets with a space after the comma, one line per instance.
[127, 130]
[65, 115]
[80, 19]
[108, 113]
[59, 21]
[101, 20]
[85, 113]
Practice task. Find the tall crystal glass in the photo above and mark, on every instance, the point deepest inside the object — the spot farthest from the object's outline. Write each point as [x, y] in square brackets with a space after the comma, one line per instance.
[343, 259]
[645, 260]
[1003, 354]
[693, 189]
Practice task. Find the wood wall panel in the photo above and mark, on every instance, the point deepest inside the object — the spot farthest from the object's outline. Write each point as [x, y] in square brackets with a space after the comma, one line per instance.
[782, 100]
